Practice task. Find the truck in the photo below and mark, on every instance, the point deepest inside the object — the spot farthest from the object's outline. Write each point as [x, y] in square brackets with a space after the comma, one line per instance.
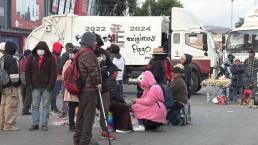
[136, 36]
[240, 40]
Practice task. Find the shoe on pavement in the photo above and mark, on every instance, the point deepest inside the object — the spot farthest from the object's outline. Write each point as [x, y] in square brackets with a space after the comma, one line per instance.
[26, 113]
[158, 129]
[139, 128]
[54, 113]
[63, 116]
[106, 135]
[34, 127]
[11, 128]
[122, 131]
[44, 128]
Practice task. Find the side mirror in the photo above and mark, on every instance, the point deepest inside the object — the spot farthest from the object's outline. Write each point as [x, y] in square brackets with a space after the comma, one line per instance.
[204, 38]
[205, 47]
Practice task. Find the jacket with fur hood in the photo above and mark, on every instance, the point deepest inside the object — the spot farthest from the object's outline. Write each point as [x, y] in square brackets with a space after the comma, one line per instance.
[10, 63]
[41, 72]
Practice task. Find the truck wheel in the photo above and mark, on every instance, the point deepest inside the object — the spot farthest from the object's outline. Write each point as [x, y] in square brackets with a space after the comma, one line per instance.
[196, 83]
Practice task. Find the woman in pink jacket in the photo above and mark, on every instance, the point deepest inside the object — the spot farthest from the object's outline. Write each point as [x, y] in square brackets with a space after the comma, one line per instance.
[149, 109]
[71, 100]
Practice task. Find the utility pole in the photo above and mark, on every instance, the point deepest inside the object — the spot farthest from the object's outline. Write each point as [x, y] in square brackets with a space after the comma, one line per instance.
[255, 2]
[149, 7]
[232, 14]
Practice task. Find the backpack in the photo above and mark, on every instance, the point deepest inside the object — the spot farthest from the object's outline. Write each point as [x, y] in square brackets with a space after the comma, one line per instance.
[73, 80]
[177, 117]
[169, 101]
[4, 77]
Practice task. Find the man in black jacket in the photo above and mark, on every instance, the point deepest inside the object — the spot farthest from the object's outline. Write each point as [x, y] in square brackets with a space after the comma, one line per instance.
[106, 67]
[186, 60]
[10, 98]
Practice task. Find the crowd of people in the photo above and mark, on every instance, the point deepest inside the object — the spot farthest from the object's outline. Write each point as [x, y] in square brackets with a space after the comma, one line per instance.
[243, 76]
[41, 75]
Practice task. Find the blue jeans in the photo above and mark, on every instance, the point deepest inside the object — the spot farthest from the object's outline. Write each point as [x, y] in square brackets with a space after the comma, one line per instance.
[54, 94]
[39, 95]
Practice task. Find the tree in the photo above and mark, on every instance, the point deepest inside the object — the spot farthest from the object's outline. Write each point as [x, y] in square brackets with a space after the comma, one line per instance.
[157, 8]
[240, 22]
[116, 7]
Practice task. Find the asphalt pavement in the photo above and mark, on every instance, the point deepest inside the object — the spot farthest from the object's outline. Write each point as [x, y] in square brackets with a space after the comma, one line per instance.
[211, 125]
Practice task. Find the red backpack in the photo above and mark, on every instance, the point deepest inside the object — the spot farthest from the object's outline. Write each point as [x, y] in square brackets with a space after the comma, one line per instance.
[73, 80]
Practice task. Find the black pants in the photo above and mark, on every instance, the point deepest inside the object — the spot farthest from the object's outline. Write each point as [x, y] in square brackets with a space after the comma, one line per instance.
[72, 106]
[26, 98]
[150, 125]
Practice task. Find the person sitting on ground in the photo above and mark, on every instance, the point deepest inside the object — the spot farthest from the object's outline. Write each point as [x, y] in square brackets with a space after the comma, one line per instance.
[149, 109]
[71, 100]
[177, 115]
[178, 87]
[118, 106]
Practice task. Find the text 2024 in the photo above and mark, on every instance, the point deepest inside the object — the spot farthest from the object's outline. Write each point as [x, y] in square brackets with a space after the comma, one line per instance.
[140, 28]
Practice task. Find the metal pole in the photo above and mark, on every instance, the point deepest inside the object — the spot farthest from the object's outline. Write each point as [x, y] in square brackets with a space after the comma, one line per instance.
[232, 14]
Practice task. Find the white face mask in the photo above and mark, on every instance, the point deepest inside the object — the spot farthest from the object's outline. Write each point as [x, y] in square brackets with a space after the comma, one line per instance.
[1, 54]
[40, 52]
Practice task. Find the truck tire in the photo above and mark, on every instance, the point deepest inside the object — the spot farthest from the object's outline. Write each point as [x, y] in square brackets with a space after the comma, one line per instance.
[196, 82]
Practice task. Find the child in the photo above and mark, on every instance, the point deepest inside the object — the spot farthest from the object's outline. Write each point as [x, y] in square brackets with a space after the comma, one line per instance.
[237, 80]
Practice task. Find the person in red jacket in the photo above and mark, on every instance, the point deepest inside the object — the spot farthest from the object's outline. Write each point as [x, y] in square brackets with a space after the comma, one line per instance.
[56, 51]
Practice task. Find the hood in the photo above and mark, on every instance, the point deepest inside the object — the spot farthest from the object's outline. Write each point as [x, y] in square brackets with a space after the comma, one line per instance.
[57, 48]
[146, 79]
[10, 48]
[118, 56]
[188, 58]
[42, 45]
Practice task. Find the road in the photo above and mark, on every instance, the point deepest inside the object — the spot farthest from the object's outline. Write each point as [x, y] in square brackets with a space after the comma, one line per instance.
[211, 125]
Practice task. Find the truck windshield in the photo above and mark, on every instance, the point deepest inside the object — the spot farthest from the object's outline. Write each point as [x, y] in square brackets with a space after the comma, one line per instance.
[242, 40]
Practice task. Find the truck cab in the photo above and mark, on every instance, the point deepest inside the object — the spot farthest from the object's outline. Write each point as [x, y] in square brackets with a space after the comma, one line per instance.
[190, 37]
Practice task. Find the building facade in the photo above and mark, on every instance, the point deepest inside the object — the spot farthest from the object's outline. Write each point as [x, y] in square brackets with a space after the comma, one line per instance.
[19, 17]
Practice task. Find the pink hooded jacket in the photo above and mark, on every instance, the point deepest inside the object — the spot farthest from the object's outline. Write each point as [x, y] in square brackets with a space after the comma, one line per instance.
[150, 106]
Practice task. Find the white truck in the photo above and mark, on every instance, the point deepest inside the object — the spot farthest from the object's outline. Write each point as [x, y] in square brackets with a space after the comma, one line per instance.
[136, 36]
[240, 40]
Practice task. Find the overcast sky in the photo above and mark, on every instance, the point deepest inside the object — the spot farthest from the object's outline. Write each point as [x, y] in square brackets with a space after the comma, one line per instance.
[218, 12]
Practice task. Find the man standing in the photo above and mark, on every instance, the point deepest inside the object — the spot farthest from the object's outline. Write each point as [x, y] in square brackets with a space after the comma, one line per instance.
[25, 93]
[56, 51]
[106, 68]
[10, 98]
[251, 68]
[119, 61]
[90, 72]
[41, 73]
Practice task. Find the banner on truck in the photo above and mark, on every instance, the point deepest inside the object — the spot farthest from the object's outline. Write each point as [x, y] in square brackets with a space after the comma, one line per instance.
[26, 14]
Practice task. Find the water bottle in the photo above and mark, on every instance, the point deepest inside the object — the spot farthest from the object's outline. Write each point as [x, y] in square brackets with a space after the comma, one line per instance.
[208, 97]
[110, 122]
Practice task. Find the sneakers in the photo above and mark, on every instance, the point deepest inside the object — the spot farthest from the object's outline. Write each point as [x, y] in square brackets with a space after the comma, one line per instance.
[63, 116]
[158, 129]
[44, 128]
[12, 128]
[122, 131]
[106, 135]
[34, 127]
[55, 112]
[139, 128]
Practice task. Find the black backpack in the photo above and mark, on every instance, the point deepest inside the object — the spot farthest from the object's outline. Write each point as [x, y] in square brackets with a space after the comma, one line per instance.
[177, 117]
[167, 92]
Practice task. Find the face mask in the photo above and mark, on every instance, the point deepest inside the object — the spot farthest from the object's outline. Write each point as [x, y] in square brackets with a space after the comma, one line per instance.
[1, 54]
[40, 52]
